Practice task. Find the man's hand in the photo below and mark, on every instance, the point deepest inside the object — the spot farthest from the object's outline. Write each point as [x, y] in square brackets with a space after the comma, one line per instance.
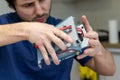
[102, 61]
[43, 35]
[95, 45]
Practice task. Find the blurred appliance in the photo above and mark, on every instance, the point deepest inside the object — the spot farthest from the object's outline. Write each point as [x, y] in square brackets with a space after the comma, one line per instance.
[103, 35]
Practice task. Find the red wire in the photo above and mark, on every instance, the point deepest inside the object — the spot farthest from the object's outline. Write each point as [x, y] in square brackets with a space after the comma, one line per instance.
[65, 27]
[81, 31]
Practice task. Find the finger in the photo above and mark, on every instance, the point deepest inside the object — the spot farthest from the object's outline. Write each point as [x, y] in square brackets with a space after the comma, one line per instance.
[86, 23]
[52, 53]
[93, 42]
[89, 52]
[63, 35]
[58, 41]
[44, 53]
[81, 56]
[91, 35]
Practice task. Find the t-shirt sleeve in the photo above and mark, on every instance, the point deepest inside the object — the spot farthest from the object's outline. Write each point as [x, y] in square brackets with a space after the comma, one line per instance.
[53, 21]
[84, 60]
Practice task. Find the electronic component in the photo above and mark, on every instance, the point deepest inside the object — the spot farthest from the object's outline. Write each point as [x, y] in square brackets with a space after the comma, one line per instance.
[77, 33]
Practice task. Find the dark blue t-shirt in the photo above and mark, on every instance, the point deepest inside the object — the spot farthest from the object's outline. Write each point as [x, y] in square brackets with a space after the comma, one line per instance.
[18, 61]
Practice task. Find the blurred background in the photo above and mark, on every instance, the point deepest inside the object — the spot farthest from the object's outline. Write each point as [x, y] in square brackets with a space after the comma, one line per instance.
[99, 13]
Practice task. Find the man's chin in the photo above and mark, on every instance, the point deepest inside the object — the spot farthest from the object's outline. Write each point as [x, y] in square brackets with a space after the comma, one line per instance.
[40, 20]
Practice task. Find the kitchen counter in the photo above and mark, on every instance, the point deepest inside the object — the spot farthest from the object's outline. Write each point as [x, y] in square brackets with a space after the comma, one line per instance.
[114, 48]
[109, 45]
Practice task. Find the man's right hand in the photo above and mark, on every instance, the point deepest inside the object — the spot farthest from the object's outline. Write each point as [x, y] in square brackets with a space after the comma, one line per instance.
[43, 35]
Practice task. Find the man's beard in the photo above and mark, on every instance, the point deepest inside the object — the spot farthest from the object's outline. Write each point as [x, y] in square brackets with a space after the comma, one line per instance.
[45, 15]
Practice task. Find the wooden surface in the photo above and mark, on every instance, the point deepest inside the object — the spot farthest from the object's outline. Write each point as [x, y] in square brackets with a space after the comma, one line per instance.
[109, 45]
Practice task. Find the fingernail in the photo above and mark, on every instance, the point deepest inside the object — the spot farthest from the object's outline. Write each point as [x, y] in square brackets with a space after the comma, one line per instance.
[68, 44]
[57, 62]
[48, 63]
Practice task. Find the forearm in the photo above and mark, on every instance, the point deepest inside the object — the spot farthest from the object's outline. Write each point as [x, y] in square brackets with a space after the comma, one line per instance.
[103, 64]
[12, 33]
[102, 61]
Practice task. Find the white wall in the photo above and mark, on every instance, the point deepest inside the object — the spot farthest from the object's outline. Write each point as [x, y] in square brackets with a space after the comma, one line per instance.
[97, 11]
[4, 7]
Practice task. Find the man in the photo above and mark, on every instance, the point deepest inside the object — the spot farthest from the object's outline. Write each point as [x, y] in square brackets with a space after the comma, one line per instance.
[18, 58]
